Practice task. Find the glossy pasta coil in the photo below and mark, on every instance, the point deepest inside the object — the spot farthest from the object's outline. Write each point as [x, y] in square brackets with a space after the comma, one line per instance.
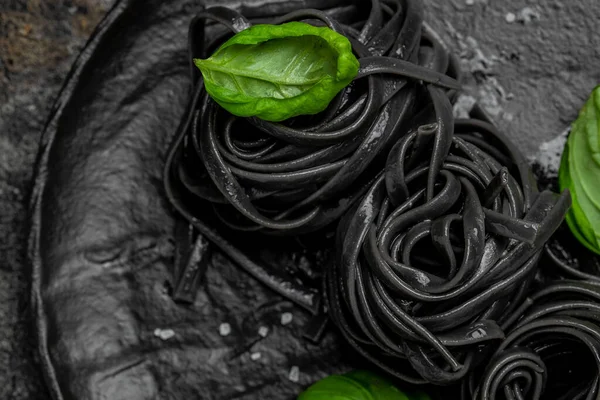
[551, 350]
[303, 174]
[565, 257]
[441, 249]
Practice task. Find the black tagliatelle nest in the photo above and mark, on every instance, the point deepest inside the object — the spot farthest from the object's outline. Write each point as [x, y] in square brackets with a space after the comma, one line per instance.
[440, 226]
[302, 175]
[441, 250]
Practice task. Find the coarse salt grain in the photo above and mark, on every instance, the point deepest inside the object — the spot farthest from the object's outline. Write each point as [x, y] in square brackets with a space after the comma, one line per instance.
[224, 329]
[263, 331]
[164, 334]
[286, 318]
[294, 374]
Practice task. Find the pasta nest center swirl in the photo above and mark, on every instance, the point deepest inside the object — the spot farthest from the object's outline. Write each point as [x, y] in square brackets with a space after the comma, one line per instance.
[441, 249]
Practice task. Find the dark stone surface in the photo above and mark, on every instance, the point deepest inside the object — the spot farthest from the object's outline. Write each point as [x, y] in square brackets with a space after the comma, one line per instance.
[39, 40]
[532, 75]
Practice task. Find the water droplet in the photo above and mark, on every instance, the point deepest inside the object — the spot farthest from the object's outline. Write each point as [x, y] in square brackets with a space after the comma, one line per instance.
[478, 333]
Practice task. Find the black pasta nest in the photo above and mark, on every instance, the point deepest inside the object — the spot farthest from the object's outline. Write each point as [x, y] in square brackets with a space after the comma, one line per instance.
[441, 250]
[440, 226]
[302, 175]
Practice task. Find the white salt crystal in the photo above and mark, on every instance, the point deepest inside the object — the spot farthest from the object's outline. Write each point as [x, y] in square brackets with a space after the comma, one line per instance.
[294, 374]
[224, 329]
[286, 318]
[263, 331]
[164, 334]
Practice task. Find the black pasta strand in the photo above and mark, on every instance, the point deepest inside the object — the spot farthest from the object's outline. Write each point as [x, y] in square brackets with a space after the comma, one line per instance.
[551, 350]
[567, 258]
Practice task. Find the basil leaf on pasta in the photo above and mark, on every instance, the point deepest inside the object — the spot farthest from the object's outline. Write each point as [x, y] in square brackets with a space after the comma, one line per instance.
[276, 72]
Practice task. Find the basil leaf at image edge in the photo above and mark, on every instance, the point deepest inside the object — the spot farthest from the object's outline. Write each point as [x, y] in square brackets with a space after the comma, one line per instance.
[357, 385]
[565, 182]
[379, 387]
[336, 387]
[276, 72]
[580, 173]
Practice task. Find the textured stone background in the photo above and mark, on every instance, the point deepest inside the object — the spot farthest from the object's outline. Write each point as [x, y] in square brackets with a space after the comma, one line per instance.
[530, 63]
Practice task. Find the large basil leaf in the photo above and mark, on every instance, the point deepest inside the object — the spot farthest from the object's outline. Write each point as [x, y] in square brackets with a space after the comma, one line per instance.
[276, 72]
[356, 385]
[580, 173]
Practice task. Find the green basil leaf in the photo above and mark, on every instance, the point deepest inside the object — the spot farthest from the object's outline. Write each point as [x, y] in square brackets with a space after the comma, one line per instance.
[276, 72]
[357, 385]
[580, 173]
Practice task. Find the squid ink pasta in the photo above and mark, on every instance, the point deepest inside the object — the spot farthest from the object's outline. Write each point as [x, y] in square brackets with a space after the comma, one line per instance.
[551, 350]
[439, 223]
[441, 249]
[565, 257]
[300, 176]
[231, 176]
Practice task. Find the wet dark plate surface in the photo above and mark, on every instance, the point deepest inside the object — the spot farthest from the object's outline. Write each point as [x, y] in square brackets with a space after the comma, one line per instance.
[531, 74]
